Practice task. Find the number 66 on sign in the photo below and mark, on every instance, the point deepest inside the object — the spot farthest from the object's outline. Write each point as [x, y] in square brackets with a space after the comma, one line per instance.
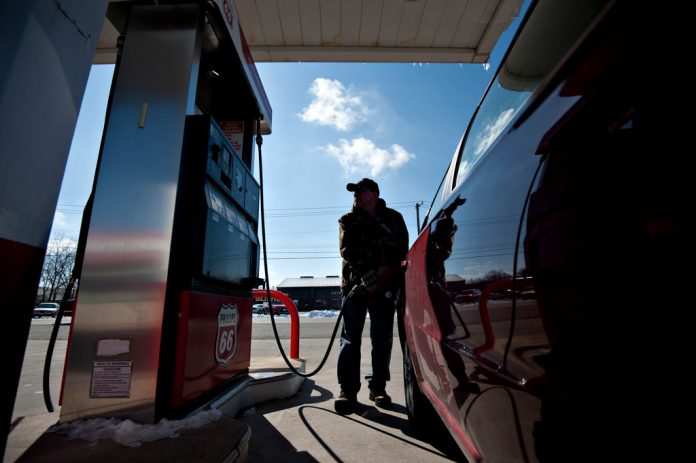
[226, 339]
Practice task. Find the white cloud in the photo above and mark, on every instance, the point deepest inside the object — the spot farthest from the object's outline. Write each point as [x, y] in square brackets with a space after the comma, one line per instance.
[60, 220]
[334, 105]
[60, 243]
[361, 156]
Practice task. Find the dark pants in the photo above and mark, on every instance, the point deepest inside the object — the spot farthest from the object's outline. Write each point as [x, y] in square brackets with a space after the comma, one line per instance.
[381, 333]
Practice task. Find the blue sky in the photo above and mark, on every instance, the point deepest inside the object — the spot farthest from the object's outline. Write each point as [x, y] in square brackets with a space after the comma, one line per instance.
[333, 123]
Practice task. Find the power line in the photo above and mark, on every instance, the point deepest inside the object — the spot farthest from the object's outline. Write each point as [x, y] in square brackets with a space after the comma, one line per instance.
[299, 252]
[341, 207]
[322, 210]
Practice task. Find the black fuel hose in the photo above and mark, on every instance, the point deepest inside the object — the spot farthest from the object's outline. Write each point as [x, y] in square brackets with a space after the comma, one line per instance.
[259, 142]
[51, 345]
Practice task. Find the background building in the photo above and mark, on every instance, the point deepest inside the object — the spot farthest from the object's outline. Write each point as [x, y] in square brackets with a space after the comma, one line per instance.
[313, 293]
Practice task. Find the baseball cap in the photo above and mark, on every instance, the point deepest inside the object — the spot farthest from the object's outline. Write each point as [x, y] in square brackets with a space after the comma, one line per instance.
[364, 184]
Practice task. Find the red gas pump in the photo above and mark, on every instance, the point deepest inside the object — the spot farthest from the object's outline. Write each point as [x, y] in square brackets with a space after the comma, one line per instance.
[171, 255]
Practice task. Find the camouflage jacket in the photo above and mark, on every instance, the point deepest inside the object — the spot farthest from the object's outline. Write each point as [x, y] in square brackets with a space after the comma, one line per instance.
[367, 242]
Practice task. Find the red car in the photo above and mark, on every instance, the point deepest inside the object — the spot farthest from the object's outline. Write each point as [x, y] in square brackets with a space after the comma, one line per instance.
[278, 309]
[468, 296]
[566, 189]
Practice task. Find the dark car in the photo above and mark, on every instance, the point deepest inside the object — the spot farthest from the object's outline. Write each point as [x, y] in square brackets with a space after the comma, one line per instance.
[69, 308]
[566, 189]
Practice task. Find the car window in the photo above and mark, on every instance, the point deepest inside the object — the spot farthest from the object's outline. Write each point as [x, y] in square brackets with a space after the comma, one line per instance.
[534, 55]
[438, 199]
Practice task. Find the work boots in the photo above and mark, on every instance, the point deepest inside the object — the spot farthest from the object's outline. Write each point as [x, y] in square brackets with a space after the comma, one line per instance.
[380, 398]
[345, 403]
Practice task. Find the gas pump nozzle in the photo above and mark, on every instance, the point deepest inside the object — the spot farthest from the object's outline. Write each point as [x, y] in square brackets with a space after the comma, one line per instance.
[369, 279]
[367, 285]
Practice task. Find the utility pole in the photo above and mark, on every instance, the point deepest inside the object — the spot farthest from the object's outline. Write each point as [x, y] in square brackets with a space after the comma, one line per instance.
[418, 224]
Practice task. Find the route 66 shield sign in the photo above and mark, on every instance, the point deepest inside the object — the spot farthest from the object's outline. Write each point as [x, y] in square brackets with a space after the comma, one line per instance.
[226, 339]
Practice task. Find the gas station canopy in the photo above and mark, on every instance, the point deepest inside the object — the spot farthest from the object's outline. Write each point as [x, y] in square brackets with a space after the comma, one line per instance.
[435, 31]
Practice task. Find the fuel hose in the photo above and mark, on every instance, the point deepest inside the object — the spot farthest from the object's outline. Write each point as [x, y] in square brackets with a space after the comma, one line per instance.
[259, 142]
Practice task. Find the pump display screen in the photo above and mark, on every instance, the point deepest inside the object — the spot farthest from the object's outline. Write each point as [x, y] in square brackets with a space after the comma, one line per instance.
[229, 250]
[216, 242]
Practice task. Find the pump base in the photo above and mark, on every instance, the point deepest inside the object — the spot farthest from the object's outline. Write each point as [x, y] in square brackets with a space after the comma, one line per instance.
[269, 378]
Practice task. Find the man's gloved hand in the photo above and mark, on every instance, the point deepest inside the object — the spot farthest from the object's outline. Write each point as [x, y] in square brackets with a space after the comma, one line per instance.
[373, 281]
[369, 281]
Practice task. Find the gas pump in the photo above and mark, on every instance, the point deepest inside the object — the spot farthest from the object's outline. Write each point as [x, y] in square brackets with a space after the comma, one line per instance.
[163, 319]
[214, 263]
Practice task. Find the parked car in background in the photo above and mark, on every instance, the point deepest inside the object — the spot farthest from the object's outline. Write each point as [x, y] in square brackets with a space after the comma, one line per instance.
[566, 189]
[69, 308]
[278, 309]
[46, 309]
[259, 308]
[467, 296]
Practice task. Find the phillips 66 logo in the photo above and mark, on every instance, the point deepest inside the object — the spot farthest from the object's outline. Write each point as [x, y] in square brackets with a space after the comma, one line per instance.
[226, 339]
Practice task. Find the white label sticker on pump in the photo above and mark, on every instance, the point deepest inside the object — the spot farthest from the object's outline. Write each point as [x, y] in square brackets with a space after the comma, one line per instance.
[111, 379]
[111, 347]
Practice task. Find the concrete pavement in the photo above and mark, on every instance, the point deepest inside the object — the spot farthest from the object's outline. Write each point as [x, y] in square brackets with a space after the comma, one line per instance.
[305, 428]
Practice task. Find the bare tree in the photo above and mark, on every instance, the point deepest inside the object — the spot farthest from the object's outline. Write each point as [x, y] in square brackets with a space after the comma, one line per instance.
[57, 268]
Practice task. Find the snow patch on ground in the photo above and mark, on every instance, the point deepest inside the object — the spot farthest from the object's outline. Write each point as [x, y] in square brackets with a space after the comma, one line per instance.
[130, 434]
[310, 314]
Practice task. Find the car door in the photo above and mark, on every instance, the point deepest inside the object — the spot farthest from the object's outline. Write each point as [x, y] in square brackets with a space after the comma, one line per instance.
[490, 374]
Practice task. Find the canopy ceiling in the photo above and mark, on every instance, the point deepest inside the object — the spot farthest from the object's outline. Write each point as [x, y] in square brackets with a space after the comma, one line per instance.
[435, 31]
